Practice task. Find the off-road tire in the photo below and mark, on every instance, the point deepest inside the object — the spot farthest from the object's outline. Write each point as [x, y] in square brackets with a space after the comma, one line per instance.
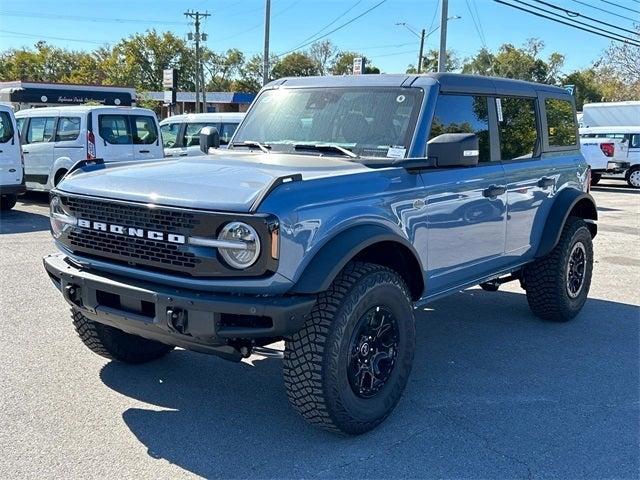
[7, 202]
[633, 181]
[546, 278]
[316, 358]
[114, 344]
[595, 178]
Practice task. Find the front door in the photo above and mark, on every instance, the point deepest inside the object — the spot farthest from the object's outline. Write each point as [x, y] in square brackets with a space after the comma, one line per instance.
[466, 207]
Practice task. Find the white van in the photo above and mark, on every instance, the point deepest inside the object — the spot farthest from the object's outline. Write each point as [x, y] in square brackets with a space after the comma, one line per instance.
[181, 133]
[55, 138]
[630, 136]
[11, 168]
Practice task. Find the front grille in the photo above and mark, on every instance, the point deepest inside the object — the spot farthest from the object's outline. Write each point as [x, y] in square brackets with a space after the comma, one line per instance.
[175, 258]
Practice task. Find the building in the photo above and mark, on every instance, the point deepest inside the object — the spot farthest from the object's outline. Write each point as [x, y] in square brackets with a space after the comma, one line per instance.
[40, 94]
[216, 101]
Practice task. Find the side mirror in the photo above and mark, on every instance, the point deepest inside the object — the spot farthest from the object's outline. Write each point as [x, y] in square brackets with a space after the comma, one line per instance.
[454, 150]
[209, 138]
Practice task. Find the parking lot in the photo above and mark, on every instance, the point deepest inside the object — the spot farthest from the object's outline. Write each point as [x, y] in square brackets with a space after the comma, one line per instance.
[494, 391]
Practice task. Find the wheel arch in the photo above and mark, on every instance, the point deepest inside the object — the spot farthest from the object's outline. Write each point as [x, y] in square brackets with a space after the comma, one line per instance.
[366, 243]
[60, 164]
[569, 202]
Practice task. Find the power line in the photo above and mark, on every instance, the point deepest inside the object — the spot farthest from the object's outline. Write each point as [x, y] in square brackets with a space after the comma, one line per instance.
[475, 25]
[340, 27]
[619, 6]
[342, 15]
[40, 37]
[571, 13]
[85, 18]
[604, 10]
[484, 39]
[595, 31]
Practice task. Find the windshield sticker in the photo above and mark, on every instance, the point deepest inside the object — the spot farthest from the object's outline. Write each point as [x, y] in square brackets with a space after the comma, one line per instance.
[400, 98]
[396, 152]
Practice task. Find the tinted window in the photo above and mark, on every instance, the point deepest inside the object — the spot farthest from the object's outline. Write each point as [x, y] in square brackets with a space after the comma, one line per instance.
[68, 129]
[145, 132]
[169, 134]
[40, 129]
[6, 127]
[463, 114]
[517, 125]
[114, 129]
[561, 122]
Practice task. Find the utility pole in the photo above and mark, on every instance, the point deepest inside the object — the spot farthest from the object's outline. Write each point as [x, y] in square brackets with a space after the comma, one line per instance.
[265, 60]
[199, 79]
[442, 55]
[422, 34]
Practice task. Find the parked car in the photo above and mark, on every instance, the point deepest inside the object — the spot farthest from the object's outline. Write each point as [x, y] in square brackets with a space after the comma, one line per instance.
[606, 114]
[11, 165]
[343, 204]
[55, 138]
[605, 156]
[181, 133]
[629, 136]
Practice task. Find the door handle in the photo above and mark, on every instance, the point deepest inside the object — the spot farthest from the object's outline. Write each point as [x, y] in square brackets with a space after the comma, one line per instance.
[144, 151]
[494, 191]
[545, 182]
[25, 152]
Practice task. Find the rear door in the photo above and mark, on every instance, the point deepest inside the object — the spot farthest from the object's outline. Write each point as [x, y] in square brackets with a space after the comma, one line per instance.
[114, 140]
[172, 134]
[38, 150]
[227, 129]
[191, 145]
[146, 138]
[69, 143]
[10, 155]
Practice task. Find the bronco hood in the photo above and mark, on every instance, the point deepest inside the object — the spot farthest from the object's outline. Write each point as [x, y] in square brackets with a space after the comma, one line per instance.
[229, 181]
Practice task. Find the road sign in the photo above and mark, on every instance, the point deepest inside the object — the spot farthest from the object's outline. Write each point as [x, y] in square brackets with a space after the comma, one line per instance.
[169, 79]
[358, 66]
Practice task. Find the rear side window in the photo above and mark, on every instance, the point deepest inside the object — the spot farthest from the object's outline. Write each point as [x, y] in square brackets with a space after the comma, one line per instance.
[463, 114]
[226, 132]
[40, 129]
[192, 133]
[114, 129]
[561, 123]
[169, 134]
[20, 124]
[68, 129]
[6, 127]
[144, 131]
[635, 141]
[517, 126]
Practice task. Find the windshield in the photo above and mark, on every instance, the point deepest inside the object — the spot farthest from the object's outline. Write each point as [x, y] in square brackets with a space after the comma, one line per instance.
[369, 121]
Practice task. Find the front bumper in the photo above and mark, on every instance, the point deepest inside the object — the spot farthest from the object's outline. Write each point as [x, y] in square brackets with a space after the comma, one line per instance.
[200, 321]
[13, 189]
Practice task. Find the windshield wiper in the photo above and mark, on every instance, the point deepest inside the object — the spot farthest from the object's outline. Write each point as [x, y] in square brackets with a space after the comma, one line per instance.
[252, 143]
[325, 147]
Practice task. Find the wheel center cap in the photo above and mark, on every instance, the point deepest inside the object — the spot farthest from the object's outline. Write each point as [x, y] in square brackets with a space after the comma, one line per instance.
[365, 349]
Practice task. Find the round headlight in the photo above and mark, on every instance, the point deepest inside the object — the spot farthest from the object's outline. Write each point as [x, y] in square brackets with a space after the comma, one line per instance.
[61, 219]
[243, 245]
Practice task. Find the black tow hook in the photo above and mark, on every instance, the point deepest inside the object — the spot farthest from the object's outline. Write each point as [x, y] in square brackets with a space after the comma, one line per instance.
[73, 294]
[178, 320]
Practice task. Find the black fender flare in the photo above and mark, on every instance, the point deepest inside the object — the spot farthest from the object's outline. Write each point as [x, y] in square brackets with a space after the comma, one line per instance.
[568, 201]
[334, 255]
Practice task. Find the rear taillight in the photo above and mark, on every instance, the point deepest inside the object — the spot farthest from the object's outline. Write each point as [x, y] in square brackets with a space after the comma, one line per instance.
[607, 149]
[91, 146]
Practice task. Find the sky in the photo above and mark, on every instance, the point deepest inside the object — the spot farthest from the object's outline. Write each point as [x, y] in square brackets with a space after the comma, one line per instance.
[85, 25]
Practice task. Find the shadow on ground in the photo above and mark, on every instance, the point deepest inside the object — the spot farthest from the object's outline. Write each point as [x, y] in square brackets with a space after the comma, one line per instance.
[21, 221]
[494, 393]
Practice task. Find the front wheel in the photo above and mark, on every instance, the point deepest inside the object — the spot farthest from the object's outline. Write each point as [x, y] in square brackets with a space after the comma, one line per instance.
[347, 368]
[557, 284]
[7, 202]
[633, 177]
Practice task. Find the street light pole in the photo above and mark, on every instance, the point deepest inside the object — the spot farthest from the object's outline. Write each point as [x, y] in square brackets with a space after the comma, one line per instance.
[265, 60]
[442, 55]
[422, 34]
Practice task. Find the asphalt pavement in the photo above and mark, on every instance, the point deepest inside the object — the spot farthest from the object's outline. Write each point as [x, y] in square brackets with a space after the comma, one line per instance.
[494, 393]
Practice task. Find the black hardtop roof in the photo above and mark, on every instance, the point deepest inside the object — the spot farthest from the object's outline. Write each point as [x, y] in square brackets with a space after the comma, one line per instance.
[449, 83]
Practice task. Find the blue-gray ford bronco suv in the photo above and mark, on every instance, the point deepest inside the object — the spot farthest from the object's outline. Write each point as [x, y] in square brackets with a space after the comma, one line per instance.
[341, 206]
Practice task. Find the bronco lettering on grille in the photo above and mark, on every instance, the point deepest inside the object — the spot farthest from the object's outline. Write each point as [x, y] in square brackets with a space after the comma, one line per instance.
[132, 232]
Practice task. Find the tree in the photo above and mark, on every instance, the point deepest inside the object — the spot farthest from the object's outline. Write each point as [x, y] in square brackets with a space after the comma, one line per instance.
[618, 71]
[295, 64]
[430, 62]
[521, 63]
[588, 88]
[343, 64]
[322, 53]
[223, 68]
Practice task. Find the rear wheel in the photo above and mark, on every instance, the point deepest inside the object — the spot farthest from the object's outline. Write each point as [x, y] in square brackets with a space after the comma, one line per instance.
[347, 368]
[58, 177]
[633, 177]
[557, 284]
[595, 178]
[7, 202]
[115, 344]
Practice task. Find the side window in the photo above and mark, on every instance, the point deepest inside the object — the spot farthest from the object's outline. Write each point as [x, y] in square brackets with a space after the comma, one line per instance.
[114, 129]
[635, 141]
[6, 127]
[192, 133]
[517, 126]
[226, 132]
[20, 123]
[40, 129]
[68, 129]
[561, 122]
[463, 114]
[169, 133]
[144, 132]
